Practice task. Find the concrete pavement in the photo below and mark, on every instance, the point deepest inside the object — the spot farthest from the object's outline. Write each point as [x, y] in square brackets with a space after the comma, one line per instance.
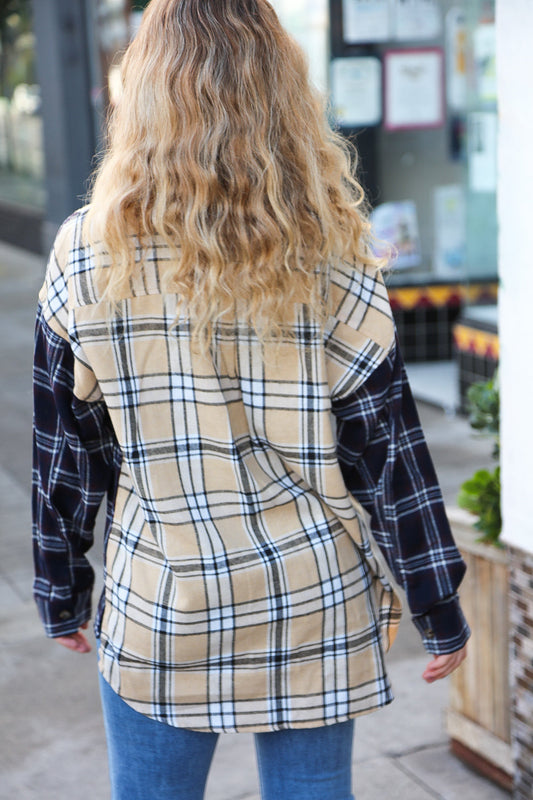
[52, 741]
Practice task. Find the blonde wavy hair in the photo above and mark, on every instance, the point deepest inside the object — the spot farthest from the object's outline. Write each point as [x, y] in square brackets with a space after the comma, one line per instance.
[220, 146]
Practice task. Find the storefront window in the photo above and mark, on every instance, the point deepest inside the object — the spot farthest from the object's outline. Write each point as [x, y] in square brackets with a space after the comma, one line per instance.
[413, 83]
[21, 135]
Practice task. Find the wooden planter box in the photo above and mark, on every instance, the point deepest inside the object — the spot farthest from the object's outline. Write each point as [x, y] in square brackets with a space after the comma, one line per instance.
[478, 716]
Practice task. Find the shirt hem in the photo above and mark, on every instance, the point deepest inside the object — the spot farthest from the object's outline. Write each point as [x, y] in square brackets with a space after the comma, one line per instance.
[358, 708]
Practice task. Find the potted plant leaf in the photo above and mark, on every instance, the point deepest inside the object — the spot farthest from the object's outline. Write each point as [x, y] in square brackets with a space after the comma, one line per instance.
[481, 493]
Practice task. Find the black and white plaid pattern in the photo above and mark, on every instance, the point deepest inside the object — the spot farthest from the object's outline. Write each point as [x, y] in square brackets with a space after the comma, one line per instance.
[241, 592]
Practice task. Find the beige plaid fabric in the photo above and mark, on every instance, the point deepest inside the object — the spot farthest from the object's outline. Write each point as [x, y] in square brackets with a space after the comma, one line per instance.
[240, 588]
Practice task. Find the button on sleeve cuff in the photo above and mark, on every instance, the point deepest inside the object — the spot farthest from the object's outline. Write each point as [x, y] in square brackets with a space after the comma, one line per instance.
[61, 616]
[443, 628]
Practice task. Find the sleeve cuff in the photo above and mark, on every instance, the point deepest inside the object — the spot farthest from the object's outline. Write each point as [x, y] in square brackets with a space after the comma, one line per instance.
[61, 617]
[443, 628]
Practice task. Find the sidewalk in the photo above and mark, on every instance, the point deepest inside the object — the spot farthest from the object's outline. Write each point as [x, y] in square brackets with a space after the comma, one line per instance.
[52, 742]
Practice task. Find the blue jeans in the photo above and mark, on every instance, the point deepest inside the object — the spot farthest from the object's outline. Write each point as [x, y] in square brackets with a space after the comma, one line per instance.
[149, 760]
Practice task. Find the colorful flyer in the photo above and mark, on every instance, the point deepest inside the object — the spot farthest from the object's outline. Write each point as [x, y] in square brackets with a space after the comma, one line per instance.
[395, 226]
[456, 60]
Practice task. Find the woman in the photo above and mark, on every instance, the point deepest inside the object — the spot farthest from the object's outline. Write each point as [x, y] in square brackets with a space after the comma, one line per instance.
[199, 322]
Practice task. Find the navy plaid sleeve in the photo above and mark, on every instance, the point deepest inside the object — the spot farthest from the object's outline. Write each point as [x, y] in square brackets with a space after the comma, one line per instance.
[387, 467]
[73, 457]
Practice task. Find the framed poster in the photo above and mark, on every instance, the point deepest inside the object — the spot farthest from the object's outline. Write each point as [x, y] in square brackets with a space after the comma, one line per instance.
[366, 21]
[356, 91]
[414, 89]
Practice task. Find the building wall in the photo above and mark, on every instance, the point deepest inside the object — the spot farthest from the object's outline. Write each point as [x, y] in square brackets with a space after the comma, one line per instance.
[515, 67]
[521, 668]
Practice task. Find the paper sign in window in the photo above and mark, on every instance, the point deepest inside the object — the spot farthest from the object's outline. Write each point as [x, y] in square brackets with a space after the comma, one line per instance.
[356, 91]
[414, 89]
[366, 21]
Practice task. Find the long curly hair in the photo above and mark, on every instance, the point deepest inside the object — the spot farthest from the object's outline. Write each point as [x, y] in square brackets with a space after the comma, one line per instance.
[221, 147]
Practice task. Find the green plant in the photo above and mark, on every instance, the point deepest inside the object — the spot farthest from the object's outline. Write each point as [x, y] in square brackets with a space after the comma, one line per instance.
[481, 495]
[484, 410]
[482, 492]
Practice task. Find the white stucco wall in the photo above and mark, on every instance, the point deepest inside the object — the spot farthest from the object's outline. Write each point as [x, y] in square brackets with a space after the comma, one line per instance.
[514, 20]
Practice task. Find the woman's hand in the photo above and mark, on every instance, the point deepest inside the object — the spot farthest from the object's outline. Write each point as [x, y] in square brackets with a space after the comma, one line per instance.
[441, 666]
[75, 641]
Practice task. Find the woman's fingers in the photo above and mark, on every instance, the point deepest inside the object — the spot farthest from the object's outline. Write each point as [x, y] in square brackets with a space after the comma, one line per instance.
[75, 641]
[441, 666]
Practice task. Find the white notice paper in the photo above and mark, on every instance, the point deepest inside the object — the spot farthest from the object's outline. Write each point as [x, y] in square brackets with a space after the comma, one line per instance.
[416, 19]
[366, 21]
[485, 61]
[482, 151]
[356, 91]
[450, 230]
[414, 89]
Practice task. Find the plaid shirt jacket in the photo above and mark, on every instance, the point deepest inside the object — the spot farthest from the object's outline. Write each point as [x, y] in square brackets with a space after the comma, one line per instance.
[241, 590]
